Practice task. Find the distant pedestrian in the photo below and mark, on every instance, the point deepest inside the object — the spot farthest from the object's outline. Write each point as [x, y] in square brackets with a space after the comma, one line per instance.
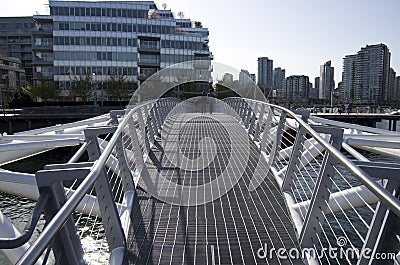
[211, 100]
[203, 102]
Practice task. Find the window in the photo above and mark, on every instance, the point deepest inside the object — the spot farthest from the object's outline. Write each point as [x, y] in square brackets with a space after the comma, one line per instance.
[54, 11]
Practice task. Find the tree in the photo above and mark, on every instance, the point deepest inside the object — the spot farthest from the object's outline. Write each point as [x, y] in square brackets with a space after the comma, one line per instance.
[117, 87]
[44, 89]
[22, 97]
[82, 86]
[198, 24]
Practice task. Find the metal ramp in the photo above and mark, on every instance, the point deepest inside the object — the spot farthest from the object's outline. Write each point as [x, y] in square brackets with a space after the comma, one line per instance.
[228, 230]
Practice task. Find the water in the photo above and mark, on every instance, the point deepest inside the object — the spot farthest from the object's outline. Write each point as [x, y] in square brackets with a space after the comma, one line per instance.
[384, 124]
[17, 209]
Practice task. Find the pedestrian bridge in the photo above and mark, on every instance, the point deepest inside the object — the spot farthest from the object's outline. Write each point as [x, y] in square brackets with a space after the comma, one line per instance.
[164, 182]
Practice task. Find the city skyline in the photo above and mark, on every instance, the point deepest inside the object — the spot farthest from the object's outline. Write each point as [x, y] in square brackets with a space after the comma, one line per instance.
[297, 41]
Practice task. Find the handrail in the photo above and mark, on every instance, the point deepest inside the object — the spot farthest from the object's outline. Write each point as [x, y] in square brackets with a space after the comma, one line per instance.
[8, 243]
[387, 198]
[67, 209]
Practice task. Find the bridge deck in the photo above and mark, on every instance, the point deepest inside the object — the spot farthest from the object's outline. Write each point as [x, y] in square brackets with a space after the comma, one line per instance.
[228, 230]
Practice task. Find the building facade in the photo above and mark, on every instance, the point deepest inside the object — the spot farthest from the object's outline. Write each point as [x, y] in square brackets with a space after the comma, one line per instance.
[365, 75]
[392, 91]
[129, 39]
[396, 89]
[12, 76]
[279, 82]
[227, 78]
[245, 77]
[349, 78]
[326, 82]
[297, 88]
[16, 41]
[265, 75]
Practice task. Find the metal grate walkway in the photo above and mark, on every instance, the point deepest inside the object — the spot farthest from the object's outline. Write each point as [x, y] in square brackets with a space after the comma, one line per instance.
[228, 230]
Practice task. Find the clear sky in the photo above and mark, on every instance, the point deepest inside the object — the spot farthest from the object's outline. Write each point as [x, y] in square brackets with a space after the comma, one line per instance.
[298, 35]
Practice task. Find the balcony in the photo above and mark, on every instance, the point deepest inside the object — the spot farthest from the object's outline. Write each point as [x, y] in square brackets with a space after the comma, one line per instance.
[149, 49]
[42, 31]
[146, 73]
[149, 46]
[41, 61]
[44, 46]
[148, 63]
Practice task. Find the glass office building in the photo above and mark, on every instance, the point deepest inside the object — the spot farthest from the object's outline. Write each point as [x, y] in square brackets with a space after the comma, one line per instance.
[133, 39]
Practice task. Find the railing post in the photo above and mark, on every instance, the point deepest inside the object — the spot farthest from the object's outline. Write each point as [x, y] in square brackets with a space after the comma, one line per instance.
[248, 114]
[155, 112]
[135, 142]
[381, 236]
[295, 158]
[109, 213]
[319, 201]
[142, 125]
[279, 134]
[151, 123]
[126, 176]
[259, 122]
[66, 244]
[267, 128]
[240, 108]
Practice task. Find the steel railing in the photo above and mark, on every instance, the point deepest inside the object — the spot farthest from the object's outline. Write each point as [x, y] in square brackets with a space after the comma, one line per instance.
[333, 202]
[107, 166]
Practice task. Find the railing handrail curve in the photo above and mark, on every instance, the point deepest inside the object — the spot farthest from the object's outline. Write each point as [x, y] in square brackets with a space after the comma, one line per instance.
[56, 223]
[386, 197]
